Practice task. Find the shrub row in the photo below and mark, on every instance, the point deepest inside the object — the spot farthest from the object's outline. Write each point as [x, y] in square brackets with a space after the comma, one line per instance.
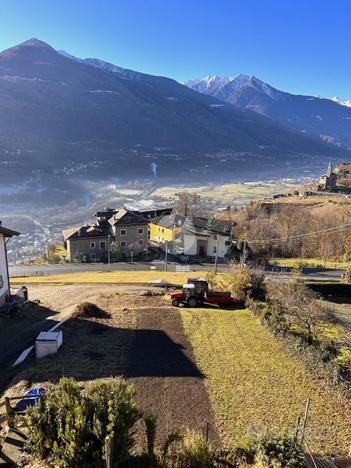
[317, 358]
[69, 427]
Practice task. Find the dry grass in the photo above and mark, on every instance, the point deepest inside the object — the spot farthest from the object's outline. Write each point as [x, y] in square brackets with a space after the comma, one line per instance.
[317, 200]
[113, 277]
[309, 262]
[254, 385]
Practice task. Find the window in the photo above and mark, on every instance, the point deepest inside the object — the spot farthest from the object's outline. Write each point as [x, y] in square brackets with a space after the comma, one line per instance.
[123, 243]
[140, 242]
[141, 231]
[214, 249]
[102, 245]
[215, 237]
[92, 245]
[123, 232]
[1, 282]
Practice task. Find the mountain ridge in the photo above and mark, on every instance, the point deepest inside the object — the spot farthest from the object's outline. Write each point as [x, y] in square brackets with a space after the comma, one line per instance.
[328, 119]
[57, 111]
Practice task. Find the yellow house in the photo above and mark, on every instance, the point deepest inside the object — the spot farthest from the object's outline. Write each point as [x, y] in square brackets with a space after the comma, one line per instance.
[165, 229]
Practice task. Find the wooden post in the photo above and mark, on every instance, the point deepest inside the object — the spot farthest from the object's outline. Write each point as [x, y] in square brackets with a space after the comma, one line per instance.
[108, 452]
[305, 421]
[10, 412]
[297, 429]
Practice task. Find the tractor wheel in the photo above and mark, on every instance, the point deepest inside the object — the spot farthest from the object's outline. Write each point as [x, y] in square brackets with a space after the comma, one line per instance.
[192, 302]
[175, 303]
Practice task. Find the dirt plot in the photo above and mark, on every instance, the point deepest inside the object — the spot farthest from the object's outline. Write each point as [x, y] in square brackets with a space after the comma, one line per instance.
[133, 335]
[164, 372]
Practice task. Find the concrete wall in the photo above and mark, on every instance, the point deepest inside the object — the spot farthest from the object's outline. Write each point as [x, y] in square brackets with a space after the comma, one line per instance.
[4, 281]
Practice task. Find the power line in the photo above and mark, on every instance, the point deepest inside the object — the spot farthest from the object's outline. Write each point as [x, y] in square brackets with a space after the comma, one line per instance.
[340, 228]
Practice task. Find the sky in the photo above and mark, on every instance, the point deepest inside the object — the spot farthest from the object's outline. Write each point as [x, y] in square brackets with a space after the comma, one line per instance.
[300, 46]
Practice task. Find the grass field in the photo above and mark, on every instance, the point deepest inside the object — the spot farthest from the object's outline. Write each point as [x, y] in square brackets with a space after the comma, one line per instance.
[254, 386]
[115, 277]
[310, 262]
[241, 193]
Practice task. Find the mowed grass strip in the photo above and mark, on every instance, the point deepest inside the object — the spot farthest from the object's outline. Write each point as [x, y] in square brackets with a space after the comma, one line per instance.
[309, 262]
[114, 277]
[255, 386]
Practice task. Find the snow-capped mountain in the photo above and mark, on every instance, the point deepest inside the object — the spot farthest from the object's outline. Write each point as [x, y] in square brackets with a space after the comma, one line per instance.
[329, 119]
[105, 66]
[208, 84]
[342, 102]
[227, 87]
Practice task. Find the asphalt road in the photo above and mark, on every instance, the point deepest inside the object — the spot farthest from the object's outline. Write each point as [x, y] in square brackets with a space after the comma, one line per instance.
[323, 274]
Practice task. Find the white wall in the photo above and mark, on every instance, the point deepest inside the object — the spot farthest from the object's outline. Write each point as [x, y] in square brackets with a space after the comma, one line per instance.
[222, 248]
[3, 271]
[190, 245]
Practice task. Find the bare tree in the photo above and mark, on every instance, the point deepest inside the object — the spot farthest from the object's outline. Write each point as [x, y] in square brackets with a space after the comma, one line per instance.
[300, 306]
[188, 203]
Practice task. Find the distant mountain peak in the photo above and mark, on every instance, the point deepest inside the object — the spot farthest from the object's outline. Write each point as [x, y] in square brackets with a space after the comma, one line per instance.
[34, 42]
[223, 87]
[342, 102]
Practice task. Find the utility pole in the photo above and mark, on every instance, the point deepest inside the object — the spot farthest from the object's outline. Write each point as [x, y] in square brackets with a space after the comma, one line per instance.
[108, 250]
[216, 257]
[244, 253]
[166, 255]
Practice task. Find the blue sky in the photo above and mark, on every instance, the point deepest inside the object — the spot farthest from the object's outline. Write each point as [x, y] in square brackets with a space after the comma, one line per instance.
[302, 46]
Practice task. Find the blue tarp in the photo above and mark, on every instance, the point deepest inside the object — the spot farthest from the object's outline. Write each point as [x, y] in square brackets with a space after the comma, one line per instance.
[33, 397]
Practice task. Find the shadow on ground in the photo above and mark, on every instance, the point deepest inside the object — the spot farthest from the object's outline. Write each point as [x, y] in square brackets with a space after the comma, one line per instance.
[92, 350]
[18, 331]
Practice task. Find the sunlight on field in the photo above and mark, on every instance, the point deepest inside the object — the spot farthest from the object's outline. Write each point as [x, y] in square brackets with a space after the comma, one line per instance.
[255, 386]
[116, 277]
[310, 262]
[229, 193]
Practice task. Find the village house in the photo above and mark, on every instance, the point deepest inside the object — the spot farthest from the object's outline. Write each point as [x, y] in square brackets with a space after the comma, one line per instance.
[192, 236]
[5, 234]
[115, 235]
[206, 238]
[165, 230]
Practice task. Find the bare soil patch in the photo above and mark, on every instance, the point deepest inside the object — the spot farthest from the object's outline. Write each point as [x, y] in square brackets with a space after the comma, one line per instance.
[164, 371]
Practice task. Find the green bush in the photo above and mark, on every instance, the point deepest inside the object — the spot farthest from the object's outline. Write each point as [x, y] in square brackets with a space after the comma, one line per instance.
[70, 426]
[279, 452]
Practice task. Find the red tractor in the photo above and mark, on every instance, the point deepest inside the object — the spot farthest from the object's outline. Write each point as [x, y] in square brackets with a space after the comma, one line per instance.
[196, 292]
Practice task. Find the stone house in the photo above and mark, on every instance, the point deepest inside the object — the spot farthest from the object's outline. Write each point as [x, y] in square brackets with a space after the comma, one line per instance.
[5, 234]
[116, 235]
